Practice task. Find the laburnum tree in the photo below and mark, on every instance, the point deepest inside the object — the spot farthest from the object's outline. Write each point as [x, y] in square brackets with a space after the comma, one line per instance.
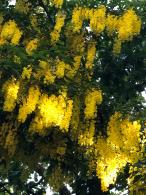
[72, 73]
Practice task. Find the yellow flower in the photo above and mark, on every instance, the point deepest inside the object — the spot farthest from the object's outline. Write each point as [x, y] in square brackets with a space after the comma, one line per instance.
[32, 46]
[49, 77]
[52, 111]
[117, 46]
[60, 69]
[29, 104]
[92, 99]
[128, 26]
[64, 125]
[10, 90]
[122, 146]
[16, 37]
[46, 72]
[98, 19]
[77, 19]
[86, 135]
[8, 29]
[90, 55]
[57, 3]
[11, 32]
[111, 24]
[55, 34]
[72, 70]
[26, 74]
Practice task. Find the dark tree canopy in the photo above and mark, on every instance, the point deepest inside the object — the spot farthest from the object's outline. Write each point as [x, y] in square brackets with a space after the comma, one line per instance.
[72, 112]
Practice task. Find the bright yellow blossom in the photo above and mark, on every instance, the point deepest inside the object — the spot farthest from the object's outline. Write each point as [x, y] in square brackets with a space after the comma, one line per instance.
[55, 34]
[11, 32]
[92, 99]
[52, 111]
[98, 19]
[8, 30]
[129, 25]
[29, 104]
[111, 24]
[122, 146]
[77, 19]
[10, 90]
[60, 69]
[57, 3]
[26, 74]
[16, 37]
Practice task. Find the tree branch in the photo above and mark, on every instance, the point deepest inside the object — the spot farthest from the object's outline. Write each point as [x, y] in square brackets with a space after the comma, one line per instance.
[4, 189]
[64, 191]
[41, 3]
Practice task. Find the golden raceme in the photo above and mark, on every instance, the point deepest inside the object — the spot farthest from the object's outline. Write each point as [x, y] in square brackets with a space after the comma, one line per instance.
[10, 33]
[124, 27]
[50, 96]
[92, 100]
[57, 3]
[29, 103]
[122, 146]
[10, 90]
[52, 111]
[55, 34]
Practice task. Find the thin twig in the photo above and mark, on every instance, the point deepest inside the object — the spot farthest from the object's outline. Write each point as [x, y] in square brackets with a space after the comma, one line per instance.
[41, 3]
[4, 189]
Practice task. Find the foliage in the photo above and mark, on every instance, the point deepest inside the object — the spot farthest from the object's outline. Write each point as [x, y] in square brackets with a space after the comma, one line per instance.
[71, 109]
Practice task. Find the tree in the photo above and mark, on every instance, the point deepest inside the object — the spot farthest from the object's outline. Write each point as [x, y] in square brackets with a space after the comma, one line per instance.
[71, 108]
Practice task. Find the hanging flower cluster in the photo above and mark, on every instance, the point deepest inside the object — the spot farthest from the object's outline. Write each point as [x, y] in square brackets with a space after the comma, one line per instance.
[91, 52]
[55, 34]
[49, 110]
[125, 27]
[31, 46]
[29, 103]
[27, 71]
[122, 146]
[10, 90]
[92, 99]
[86, 133]
[51, 70]
[10, 33]
[55, 96]
[57, 3]
[52, 111]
